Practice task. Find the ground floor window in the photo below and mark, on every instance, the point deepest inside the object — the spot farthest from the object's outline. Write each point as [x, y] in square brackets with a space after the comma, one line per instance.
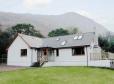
[51, 52]
[57, 52]
[23, 52]
[78, 51]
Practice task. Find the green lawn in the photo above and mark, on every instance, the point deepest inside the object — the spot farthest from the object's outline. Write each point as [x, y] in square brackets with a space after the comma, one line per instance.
[58, 75]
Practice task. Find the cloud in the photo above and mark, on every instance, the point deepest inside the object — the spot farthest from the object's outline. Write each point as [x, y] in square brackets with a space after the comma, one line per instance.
[4, 3]
[36, 3]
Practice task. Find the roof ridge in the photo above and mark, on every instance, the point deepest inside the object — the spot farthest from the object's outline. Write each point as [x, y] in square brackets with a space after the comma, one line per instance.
[55, 36]
[29, 36]
[70, 35]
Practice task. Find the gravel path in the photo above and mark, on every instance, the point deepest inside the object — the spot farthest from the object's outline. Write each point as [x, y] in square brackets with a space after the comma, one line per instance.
[9, 68]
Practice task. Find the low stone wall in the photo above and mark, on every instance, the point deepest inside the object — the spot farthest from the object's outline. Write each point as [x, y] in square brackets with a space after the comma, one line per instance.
[100, 63]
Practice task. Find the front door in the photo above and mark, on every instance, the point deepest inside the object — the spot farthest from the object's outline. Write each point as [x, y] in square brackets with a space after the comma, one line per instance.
[42, 55]
[45, 54]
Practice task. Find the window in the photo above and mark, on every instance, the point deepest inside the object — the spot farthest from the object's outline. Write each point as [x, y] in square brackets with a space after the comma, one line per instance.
[76, 37]
[63, 43]
[58, 39]
[23, 52]
[57, 52]
[78, 51]
[80, 37]
[51, 52]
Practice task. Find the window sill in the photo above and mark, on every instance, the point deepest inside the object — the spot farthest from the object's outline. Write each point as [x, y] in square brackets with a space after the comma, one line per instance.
[24, 56]
[79, 55]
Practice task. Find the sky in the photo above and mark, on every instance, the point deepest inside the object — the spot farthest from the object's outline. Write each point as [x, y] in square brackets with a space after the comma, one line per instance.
[102, 11]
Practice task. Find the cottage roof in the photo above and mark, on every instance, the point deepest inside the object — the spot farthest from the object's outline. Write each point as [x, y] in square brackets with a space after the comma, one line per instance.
[83, 39]
[31, 41]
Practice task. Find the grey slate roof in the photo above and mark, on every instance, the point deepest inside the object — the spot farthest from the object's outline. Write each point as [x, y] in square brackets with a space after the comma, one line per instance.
[86, 40]
[31, 40]
[55, 42]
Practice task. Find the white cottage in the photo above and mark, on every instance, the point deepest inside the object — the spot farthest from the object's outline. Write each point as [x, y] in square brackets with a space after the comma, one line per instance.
[70, 50]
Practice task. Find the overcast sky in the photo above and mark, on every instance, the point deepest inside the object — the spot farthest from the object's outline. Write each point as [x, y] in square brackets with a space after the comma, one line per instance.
[102, 11]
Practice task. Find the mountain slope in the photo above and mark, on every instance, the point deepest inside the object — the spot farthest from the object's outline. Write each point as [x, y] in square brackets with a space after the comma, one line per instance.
[46, 23]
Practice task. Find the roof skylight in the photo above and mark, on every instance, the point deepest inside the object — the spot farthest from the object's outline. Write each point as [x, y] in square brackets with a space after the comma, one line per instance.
[63, 43]
[80, 37]
[58, 39]
[76, 37]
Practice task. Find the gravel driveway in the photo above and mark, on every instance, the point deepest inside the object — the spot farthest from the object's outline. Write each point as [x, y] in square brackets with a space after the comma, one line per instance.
[9, 68]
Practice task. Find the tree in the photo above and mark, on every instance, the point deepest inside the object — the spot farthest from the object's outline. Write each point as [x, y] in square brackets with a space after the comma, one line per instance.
[112, 47]
[4, 42]
[9, 35]
[104, 43]
[73, 30]
[0, 32]
[0, 29]
[27, 29]
[58, 32]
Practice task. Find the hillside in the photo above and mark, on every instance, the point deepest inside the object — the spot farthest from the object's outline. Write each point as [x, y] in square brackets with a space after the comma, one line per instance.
[46, 23]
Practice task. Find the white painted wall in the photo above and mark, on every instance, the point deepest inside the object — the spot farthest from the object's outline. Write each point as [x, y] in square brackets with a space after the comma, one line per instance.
[34, 56]
[65, 55]
[65, 58]
[14, 53]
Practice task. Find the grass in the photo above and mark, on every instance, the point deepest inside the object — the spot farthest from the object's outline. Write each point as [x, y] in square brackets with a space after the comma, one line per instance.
[58, 75]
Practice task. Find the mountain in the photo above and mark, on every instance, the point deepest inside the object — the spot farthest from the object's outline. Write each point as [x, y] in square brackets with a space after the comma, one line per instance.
[46, 23]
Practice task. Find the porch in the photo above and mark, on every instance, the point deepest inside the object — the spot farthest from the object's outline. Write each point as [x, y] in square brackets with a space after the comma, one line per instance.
[44, 55]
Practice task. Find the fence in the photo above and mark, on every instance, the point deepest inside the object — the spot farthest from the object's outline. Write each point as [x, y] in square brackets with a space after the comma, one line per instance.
[102, 56]
[3, 59]
[95, 56]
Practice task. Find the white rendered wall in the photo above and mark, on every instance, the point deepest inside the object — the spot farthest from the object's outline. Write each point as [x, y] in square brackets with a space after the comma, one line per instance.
[14, 53]
[65, 55]
[65, 58]
[34, 56]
